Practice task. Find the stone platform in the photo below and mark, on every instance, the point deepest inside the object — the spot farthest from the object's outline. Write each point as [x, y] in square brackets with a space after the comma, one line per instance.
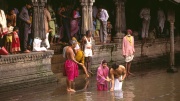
[24, 69]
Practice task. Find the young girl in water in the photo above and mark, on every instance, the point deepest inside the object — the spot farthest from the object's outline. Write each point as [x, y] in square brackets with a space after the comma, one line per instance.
[102, 76]
[15, 41]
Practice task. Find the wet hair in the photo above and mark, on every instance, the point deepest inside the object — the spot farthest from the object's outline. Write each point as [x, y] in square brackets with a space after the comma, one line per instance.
[72, 42]
[15, 28]
[104, 61]
[115, 66]
[87, 32]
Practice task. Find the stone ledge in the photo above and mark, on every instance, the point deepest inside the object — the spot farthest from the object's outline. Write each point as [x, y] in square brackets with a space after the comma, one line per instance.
[33, 56]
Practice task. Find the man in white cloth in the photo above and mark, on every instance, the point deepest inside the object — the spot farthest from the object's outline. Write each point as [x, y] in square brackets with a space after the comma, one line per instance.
[161, 19]
[145, 15]
[103, 18]
[117, 74]
[128, 50]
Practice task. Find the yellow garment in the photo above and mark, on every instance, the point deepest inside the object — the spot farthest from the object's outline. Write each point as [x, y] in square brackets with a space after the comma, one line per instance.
[129, 38]
[80, 56]
[9, 38]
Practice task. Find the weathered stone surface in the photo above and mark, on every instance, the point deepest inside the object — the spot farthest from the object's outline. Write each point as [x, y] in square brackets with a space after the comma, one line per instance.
[25, 68]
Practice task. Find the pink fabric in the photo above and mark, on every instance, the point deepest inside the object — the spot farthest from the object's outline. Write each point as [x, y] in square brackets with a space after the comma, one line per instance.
[71, 70]
[102, 87]
[74, 27]
[127, 47]
[102, 73]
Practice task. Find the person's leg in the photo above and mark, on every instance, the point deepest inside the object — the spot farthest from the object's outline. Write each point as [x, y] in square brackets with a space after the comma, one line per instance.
[89, 64]
[47, 41]
[129, 66]
[104, 31]
[10, 47]
[26, 40]
[127, 69]
[85, 70]
[147, 23]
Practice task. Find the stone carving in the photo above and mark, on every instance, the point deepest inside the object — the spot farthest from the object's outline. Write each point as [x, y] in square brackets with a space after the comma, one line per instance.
[38, 28]
[25, 57]
[87, 21]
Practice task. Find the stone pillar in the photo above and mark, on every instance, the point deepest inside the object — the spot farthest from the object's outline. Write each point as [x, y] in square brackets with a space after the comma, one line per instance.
[38, 28]
[120, 24]
[87, 21]
[171, 19]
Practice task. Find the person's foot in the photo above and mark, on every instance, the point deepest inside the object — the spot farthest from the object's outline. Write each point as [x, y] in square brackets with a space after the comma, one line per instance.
[26, 51]
[72, 90]
[131, 74]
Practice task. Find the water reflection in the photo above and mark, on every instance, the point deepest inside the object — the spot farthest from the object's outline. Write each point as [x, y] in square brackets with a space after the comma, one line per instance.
[116, 95]
[155, 85]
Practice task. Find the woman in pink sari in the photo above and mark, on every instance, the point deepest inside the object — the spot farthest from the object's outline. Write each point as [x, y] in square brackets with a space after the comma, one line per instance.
[75, 22]
[102, 76]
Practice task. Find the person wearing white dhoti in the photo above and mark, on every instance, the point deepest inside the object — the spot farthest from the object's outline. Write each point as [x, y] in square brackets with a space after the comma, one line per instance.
[145, 15]
[117, 75]
[161, 19]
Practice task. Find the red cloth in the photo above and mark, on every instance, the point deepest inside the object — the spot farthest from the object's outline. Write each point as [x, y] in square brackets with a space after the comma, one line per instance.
[71, 70]
[15, 43]
[3, 51]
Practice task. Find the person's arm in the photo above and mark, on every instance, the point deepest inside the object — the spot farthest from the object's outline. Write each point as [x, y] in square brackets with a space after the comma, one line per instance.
[48, 15]
[133, 44]
[124, 73]
[106, 15]
[123, 47]
[14, 20]
[112, 79]
[73, 59]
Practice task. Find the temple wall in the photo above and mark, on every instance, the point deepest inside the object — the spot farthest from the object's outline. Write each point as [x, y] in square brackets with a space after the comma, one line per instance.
[28, 69]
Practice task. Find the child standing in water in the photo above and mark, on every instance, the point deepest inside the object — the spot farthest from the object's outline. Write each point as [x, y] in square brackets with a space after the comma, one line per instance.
[15, 41]
[102, 76]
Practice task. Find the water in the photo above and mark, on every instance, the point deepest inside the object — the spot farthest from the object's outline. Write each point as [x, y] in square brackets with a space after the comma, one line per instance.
[149, 85]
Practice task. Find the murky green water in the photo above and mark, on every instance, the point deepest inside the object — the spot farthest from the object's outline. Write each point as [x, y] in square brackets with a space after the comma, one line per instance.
[151, 85]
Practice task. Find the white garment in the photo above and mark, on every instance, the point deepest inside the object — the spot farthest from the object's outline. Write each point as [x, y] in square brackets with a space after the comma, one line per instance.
[117, 84]
[88, 48]
[64, 52]
[77, 47]
[104, 15]
[37, 45]
[10, 29]
[145, 13]
[47, 41]
[129, 58]
[3, 21]
[161, 19]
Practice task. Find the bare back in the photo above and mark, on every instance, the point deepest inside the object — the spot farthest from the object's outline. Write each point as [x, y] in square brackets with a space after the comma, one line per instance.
[70, 53]
[118, 72]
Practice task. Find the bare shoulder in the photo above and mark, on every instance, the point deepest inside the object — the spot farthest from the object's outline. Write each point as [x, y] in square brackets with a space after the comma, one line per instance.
[111, 70]
[121, 66]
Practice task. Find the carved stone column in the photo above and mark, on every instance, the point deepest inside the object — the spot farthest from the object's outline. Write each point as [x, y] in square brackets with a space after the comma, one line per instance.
[35, 27]
[38, 28]
[120, 24]
[87, 21]
[90, 14]
[171, 19]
